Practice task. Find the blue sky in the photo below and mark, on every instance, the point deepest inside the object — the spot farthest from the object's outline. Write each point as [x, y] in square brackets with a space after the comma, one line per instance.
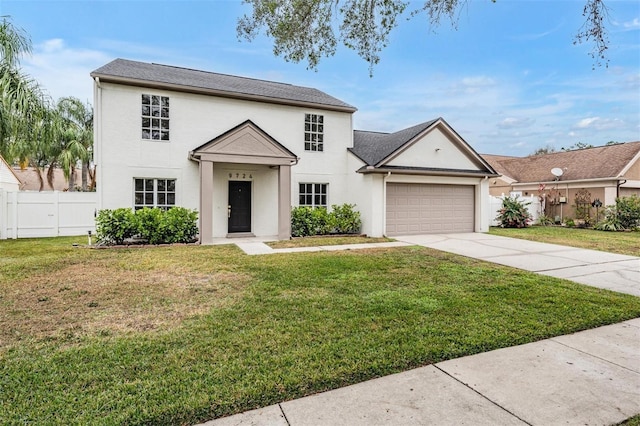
[509, 80]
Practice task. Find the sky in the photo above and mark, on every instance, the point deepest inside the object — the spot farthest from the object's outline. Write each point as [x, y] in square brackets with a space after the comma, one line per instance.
[509, 79]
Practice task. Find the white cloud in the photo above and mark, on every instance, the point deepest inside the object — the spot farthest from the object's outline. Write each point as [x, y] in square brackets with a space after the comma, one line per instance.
[630, 25]
[586, 122]
[62, 70]
[513, 122]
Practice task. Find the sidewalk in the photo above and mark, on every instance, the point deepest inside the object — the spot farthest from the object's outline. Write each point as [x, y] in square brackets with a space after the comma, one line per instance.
[587, 378]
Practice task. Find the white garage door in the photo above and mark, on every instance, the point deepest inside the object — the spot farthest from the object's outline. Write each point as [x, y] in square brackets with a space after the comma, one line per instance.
[414, 208]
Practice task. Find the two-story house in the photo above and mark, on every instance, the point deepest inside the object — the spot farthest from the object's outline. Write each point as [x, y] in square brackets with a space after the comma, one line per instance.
[243, 152]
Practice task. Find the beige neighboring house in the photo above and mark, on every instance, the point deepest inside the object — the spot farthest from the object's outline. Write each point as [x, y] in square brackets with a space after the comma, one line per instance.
[30, 182]
[601, 173]
[9, 181]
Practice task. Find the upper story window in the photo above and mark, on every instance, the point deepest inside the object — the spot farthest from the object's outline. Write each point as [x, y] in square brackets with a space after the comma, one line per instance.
[313, 132]
[313, 194]
[159, 193]
[155, 117]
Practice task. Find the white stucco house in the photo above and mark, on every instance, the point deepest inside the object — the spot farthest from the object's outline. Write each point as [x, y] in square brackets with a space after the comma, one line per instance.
[243, 152]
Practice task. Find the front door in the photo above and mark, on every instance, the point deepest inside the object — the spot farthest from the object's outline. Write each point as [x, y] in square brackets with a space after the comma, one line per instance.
[239, 212]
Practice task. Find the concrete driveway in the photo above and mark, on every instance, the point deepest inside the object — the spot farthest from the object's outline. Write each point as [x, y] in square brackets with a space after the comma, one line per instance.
[615, 272]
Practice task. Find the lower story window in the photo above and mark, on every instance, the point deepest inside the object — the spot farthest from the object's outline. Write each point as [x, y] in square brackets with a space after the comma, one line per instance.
[159, 193]
[313, 195]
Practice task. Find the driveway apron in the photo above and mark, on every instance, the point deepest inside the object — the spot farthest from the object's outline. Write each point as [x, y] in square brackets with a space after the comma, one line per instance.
[611, 271]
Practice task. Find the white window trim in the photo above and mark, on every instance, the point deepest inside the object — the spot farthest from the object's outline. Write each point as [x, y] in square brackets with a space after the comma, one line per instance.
[164, 206]
[151, 117]
[314, 194]
[317, 134]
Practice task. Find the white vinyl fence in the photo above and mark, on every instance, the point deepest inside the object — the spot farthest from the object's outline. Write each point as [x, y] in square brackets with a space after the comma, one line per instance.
[26, 214]
[534, 208]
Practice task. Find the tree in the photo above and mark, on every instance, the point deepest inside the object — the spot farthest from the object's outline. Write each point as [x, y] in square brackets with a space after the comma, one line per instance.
[76, 140]
[577, 145]
[26, 126]
[544, 150]
[305, 30]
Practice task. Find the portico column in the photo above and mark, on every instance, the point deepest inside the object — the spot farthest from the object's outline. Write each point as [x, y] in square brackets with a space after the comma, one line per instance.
[206, 202]
[284, 202]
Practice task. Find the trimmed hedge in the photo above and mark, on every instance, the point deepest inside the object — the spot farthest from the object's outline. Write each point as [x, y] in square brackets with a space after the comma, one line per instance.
[151, 225]
[308, 221]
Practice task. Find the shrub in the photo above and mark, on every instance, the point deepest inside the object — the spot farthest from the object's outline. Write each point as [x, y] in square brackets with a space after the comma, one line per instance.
[569, 223]
[625, 214]
[114, 226]
[545, 220]
[513, 214]
[153, 225]
[180, 225]
[306, 221]
[344, 219]
[150, 225]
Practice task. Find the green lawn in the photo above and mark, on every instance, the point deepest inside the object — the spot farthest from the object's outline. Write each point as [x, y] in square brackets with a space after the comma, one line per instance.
[614, 242]
[183, 334]
[326, 241]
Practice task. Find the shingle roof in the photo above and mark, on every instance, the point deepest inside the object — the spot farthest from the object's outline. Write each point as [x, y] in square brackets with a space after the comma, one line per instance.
[29, 180]
[590, 163]
[373, 147]
[123, 70]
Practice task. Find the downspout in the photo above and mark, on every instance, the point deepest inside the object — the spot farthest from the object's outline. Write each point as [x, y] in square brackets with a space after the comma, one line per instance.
[618, 187]
[97, 139]
[384, 199]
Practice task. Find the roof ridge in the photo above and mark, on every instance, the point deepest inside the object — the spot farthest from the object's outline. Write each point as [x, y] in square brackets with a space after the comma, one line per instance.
[222, 74]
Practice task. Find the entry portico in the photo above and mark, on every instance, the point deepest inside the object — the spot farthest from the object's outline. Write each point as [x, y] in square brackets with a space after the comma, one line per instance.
[246, 147]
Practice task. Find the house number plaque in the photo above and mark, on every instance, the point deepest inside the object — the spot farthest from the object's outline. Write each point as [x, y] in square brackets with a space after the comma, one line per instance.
[240, 175]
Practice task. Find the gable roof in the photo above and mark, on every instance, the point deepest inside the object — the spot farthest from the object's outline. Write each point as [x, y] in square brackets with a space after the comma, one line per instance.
[245, 143]
[601, 162]
[373, 147]
[376, 149]
[125, 71]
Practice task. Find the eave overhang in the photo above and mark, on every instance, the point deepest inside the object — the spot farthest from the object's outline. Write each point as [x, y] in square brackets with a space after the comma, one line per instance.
[106, 78]
[426, 171]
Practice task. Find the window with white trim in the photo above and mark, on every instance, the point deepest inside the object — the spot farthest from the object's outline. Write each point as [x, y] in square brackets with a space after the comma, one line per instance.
[313, 195]
[159, 193]
[313, 132]
[155, 117]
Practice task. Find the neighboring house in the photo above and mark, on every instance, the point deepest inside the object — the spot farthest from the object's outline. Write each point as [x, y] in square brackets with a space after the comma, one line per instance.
[243, 152]
[8, 179]
[603, 173]
[29, 180]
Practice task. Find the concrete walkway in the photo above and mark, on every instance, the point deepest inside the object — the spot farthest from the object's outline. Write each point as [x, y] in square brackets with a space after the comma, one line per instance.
[587, 378]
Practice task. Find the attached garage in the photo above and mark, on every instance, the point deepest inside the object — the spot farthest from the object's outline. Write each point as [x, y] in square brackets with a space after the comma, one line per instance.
[415, 208]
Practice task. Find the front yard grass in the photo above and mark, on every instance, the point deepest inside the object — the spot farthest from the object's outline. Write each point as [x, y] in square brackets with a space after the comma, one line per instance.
[613, 242]
[326, 241]
[183, 334]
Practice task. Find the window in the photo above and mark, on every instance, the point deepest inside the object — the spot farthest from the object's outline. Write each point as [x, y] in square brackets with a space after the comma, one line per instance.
[313, 132]
[313, 194]
[155, 117]
[154, 193]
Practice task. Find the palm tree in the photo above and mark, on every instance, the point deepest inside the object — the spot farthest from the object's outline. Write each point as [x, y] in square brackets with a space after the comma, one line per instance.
[77, 139]
[25, 109]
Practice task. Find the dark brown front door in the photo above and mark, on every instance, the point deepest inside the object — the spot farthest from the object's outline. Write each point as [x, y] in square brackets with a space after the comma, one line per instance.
[239, 206]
